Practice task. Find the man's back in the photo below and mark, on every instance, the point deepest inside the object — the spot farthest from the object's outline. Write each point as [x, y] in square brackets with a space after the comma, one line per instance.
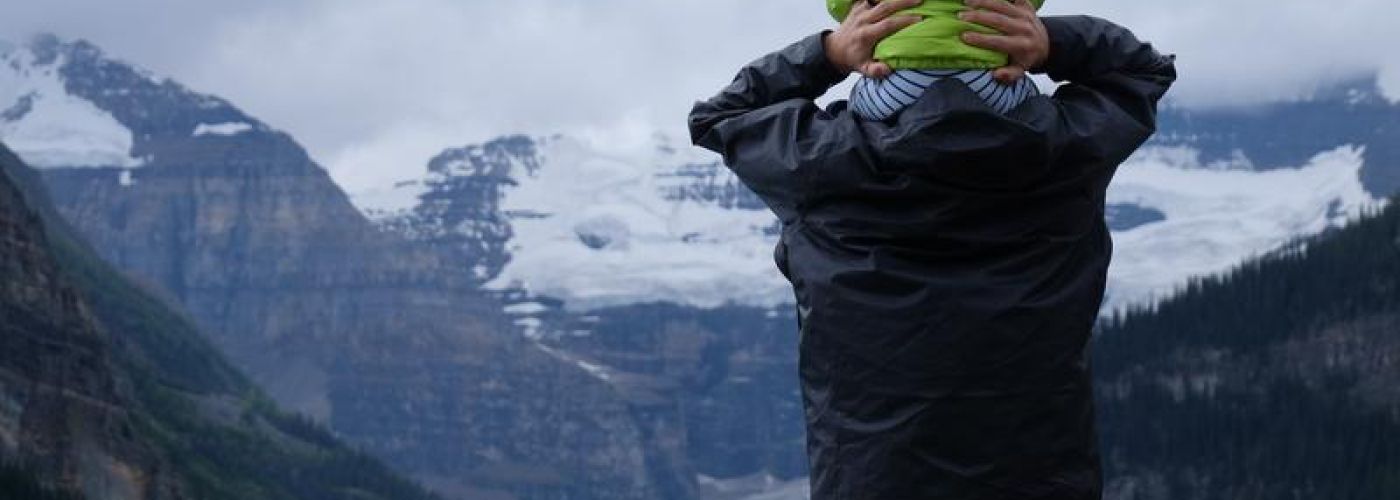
[948, 267]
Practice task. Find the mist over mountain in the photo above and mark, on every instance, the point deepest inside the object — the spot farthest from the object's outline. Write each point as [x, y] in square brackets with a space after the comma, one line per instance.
[550, 316]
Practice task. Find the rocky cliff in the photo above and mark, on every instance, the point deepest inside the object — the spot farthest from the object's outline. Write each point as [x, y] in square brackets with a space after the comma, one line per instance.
[105, 392]
[63, 412]
[386, 341]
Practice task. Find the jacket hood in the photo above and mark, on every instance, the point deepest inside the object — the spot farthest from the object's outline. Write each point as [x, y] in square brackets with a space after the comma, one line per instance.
[936, 136]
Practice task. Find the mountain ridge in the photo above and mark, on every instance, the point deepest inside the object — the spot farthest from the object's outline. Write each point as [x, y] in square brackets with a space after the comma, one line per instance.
[683, 229]
[238, 225]
[389, 345]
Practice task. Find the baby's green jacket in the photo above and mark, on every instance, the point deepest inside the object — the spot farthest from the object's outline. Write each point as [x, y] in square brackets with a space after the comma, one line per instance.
[935, 42]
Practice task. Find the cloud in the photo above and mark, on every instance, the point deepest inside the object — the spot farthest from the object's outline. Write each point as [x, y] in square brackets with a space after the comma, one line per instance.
[1248, 51]
[374, 88]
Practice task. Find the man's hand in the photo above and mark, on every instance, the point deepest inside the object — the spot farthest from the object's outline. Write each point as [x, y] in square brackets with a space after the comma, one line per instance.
[1023, 37]
[852, 46]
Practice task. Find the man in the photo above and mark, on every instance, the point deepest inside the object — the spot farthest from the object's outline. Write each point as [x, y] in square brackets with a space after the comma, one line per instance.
[948, 263]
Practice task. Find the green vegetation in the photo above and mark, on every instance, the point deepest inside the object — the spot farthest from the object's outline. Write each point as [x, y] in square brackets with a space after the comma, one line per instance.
[1340, 276]
[17, 483]
[170, 364]
[1280, 430]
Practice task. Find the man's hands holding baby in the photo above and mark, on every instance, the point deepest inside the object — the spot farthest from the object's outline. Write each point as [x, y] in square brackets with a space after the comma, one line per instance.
[1022, 36]
[852, 46]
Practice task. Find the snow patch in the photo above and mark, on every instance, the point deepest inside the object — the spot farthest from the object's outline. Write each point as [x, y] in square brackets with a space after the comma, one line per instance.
[396, 200]
[530, 327]
[1217, 219]
[224, 129]
[48, 127]
[761, 486]
[597, 371]
[526, 308]
[594, 229]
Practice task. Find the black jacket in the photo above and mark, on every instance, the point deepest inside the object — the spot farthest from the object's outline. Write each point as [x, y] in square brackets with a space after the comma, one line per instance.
[948, 264]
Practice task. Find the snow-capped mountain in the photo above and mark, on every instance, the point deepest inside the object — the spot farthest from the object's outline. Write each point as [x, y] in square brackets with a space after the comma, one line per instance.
[562, 218]
[1288, 134]
[646, 274]
[235, 224]
[66, 105]
[1213, 218]
[597, 227]
[604, 233]
[50, 127]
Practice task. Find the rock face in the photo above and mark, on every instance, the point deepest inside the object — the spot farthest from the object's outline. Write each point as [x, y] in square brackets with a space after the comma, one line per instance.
[383, 339]
[673, 237]
[110, 394]
[63, 414]
[725, 377]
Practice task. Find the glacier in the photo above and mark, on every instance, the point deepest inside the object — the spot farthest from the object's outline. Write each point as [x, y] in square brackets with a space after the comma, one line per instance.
[598, 227]
[47, 126]
[605, 236]
[1218, 216]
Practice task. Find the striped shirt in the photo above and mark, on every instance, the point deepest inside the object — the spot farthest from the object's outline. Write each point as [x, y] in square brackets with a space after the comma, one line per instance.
[881, 99]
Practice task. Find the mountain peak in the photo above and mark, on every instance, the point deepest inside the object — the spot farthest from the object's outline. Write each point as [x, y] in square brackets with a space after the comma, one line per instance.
[45, 47]
[503, 150]
[48, 48]
[44, 122]
[67, 104]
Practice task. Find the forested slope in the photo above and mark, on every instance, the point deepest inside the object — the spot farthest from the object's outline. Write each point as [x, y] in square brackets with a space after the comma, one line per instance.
[1278, 380]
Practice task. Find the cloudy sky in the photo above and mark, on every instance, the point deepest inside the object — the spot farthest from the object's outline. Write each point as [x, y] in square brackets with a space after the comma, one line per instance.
[375, 87]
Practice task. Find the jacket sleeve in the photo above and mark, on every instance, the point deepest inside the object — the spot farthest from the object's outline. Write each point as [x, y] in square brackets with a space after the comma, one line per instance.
[771, 133]
[1108, 108]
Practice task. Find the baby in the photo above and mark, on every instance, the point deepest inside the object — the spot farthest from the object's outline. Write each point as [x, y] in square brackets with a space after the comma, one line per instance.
[926, 53]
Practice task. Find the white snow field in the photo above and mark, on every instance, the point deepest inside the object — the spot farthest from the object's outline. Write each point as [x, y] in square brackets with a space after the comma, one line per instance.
[47, 126]
[648, 248]
[1218, 218]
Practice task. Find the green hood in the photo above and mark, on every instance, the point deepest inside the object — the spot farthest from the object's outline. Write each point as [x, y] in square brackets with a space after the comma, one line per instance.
[935, 42]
